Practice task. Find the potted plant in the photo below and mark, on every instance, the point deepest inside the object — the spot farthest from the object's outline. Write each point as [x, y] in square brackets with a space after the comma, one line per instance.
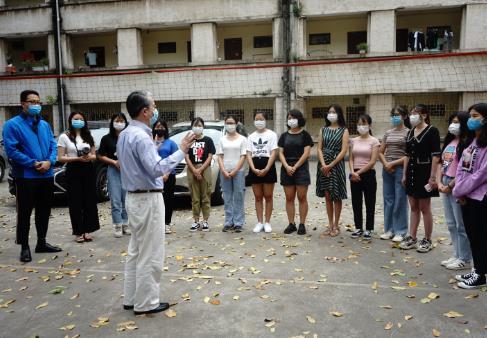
[27, 59]
[42, 65]
[362, 48]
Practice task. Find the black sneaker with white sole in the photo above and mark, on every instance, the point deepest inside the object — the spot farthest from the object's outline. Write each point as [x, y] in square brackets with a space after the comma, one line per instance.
[205, 227]
[290, 229]
[367, 235]
[465, 276]
[408, 243]
[357, 233]
[473, 282]
[195, 227]
[424, 245]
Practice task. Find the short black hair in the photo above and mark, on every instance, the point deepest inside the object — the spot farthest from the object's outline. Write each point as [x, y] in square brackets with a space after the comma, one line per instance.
[230, 117]
[197, 119]
[261, 112]
[112, 120]
[297, 114]
[163, 123]
[481, 108]
[366, 118]
[26, 93]
[137, 101]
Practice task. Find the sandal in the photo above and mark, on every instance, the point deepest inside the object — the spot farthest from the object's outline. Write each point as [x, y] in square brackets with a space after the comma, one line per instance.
[327, 232]
[87, 237]
[335, 232]
[79, 239]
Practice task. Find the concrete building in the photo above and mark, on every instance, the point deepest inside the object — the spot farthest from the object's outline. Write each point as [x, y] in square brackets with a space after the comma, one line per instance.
[212, 57]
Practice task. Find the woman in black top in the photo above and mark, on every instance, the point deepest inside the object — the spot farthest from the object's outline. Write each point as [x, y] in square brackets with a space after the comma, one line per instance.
[422, 160]
[107, 153]
[294, 149]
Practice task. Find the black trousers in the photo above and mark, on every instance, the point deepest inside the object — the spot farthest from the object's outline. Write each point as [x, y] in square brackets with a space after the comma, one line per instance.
[33, 193]
[474, 218]
[366, 188]
[168, 195]
[82, 198]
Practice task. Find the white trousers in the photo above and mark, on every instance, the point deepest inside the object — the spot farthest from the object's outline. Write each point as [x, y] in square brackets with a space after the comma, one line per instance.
[145, 258]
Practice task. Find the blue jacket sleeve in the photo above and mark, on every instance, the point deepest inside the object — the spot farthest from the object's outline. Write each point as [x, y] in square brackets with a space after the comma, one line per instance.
[11, 142]
[52, 148]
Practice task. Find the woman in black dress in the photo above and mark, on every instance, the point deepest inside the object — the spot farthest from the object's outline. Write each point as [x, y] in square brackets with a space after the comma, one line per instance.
[422, 159]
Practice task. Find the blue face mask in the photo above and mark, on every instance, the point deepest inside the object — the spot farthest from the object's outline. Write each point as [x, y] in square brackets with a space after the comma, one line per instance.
[77, 124]
[474, 124]
[34, 109]
[154, 117]
[396, 121]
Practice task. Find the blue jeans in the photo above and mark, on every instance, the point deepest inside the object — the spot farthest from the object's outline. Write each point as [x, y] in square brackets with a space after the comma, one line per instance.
[233, 197]
[456, 227]
[395, 202]
[117, 196]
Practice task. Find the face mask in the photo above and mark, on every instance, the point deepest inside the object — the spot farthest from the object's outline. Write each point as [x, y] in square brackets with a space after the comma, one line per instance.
[292, 123]
[454, 129]
[154, 117]
[77, 124]
[34, 109]
[259, 124]
[198, 130]
[396, 121]
[332, 117]
[118, 125]
[474, 124]
[363, 130]
[230, 128]
[159, 132]
[415, 120]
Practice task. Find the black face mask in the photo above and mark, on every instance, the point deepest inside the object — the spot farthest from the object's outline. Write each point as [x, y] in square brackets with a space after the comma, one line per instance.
[159, 133]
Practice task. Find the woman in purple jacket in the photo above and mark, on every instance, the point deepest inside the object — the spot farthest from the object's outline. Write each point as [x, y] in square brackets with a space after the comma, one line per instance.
[471, 190]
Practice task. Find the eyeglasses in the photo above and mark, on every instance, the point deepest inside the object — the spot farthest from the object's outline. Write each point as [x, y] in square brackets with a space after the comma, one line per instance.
[33, 102]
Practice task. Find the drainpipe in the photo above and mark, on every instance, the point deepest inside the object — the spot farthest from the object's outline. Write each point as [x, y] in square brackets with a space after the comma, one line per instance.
[286, 18]
[56, 25]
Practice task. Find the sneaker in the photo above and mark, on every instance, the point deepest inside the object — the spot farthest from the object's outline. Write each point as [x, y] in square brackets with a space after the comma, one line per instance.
[357, 233]
[465, 276]
[126, 230]
[267, 228]
[408, 243]
[226, 228]
[387, 235]
[195, 226]
[205, 227]
[398, 238]
[448, 261]
[302, 229]
[168, 229]
[457, 264]
[290, 229]
[258, 227]
[425, 245]
[473, 282]
[367, 235]
[118, 232]
[237, 228]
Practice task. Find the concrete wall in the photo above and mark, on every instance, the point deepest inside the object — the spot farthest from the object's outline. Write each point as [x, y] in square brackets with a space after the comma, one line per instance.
[30, 21]
[247, 33]
[474, 27]
[81, 43]
[151, 38]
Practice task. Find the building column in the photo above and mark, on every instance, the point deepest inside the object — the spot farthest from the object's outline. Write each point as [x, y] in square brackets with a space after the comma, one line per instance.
[3, 55]
[56, 121]
[467, 99]
[67, 52]
[51, 51]
[129, 48]
[206, 109]
[381, 32]
[298, 38]
[203, 43]
[279, 115]
[3, 118]
[379, 108]
[277, 39]
[474, 29]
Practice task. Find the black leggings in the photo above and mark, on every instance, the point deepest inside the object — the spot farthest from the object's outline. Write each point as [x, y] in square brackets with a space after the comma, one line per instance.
[367, 188]
[168, 195]
[474, 216]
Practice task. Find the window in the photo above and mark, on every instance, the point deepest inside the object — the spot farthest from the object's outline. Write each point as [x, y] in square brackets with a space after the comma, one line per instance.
[319, 39]
[269, 112]
[263, 41]
[319, 112]
[238, 114]
[353, 112]
[170, 116]
[166, 47]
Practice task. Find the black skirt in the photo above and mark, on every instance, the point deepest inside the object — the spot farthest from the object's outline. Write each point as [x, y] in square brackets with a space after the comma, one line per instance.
[261, 163]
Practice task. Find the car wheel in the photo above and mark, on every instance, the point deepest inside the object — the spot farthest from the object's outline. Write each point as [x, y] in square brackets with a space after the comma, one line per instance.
[102, 185]
[2, 171]
[217, 196]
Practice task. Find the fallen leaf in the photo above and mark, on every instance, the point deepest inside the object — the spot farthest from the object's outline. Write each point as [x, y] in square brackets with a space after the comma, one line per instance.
[408, 317]
[67, 327]
[433, 295]
[311, 319]
[389, 326]
[412, 284]
[170, 313]
[336, 313]
[472, 296]
[388, 307]
[452, 314]
[236, 297]
[215, 302]
[436, 333]
[40, 306]
[74, 296]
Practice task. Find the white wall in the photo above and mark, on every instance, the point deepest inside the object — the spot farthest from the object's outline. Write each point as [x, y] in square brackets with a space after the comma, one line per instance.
[150, 39]
[81, 43]
[247, 33]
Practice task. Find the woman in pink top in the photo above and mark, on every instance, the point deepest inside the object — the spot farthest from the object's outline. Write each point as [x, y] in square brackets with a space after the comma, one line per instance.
[457, 139]
[364, 151]
[471, 191]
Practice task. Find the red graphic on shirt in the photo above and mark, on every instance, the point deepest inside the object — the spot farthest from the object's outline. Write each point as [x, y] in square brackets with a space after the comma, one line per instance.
[198, 151]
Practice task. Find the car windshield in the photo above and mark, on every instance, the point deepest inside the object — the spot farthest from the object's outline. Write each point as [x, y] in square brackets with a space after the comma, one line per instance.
[98, 134]
[214, 132]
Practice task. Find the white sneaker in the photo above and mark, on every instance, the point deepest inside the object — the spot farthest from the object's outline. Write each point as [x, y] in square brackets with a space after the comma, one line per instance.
[118, 232]
[267, 227]
[258, 227]
[126, 230]
[448, 261]
[457, 264]
[398, 238]
[168, 229]
[387, 235]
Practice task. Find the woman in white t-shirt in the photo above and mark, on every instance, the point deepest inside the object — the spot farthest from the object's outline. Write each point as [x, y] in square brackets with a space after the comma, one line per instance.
[232, 150]
[76, 148]
[261, 156]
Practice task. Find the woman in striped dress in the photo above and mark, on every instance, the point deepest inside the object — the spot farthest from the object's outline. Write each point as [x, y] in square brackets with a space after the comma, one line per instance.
[331, 181]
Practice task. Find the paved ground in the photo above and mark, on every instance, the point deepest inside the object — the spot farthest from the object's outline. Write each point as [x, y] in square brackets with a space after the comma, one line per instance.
[238, 285]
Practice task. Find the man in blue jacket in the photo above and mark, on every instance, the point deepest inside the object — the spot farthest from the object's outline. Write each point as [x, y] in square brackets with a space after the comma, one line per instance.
[31, 149]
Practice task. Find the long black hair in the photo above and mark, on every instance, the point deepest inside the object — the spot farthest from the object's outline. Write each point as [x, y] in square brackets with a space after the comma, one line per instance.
[340, 116]
[481, 108]
[466, 136]
[84, 132]
[115, 116]
[404, 114]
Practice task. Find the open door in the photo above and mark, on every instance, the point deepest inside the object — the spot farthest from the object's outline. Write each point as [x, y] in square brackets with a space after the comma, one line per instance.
[353, 39]
[233, 49]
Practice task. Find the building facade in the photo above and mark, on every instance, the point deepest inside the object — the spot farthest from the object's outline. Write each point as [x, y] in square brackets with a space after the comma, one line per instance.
[209, 58]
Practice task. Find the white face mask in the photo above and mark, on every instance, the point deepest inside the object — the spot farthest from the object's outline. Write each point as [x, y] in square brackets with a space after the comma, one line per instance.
[415, 119]
[118, 125]
[454, 129]
[292, 123]
[362, 130]
[231, 128]
[259, 124]
[198, 130]
[332, 117]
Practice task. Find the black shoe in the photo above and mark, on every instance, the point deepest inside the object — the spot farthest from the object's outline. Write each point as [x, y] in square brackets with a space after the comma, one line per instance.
[227, 228]
[160, 308]
[46, 247]
[367, 235]
[302, 230]
[290, 229]
[128, 307]
[357, 233]
[25, 255]
[238, 229]
[476, 281]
